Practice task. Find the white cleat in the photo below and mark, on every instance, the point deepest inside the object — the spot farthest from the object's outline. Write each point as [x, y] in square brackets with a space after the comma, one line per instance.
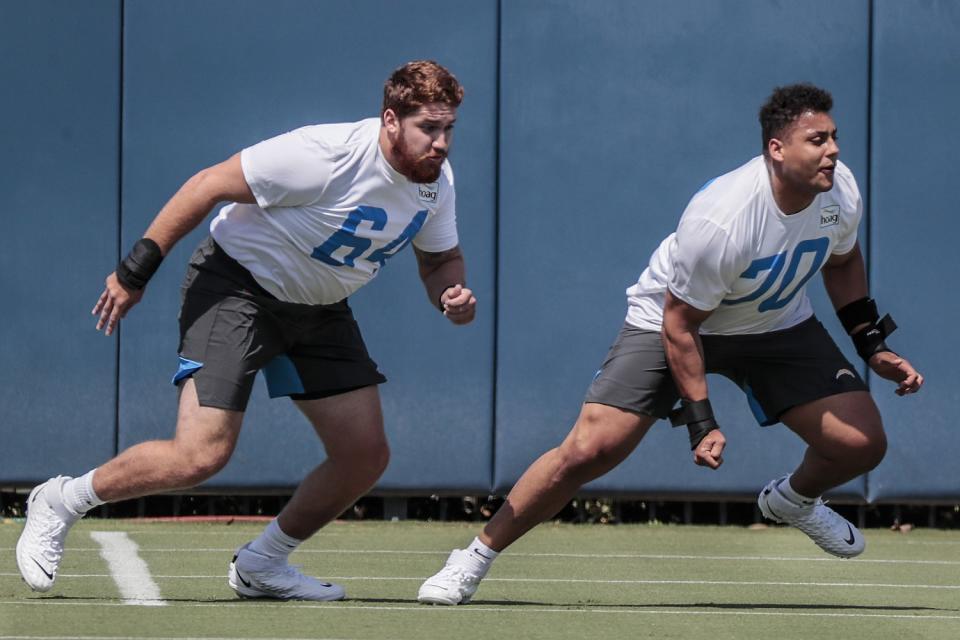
[253, 575]
[828, 529]
[40, 547]
[454, 584]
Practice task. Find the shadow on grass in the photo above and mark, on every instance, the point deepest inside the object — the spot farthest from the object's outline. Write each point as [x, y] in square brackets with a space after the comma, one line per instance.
[520, 604]
[120, 600]
[442, 606]
[731, 606]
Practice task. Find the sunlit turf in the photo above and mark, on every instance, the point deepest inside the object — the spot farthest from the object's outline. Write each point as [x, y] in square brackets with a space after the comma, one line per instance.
[560, 581]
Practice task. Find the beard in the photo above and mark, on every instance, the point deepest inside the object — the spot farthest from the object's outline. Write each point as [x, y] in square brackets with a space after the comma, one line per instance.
[417, 169]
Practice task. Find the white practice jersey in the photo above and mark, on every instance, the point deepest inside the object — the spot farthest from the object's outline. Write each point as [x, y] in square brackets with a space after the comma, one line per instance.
[737, 253]
[330, 211]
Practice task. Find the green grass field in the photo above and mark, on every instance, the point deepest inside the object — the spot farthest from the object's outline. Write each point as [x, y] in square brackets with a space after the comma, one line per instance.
[561, 581]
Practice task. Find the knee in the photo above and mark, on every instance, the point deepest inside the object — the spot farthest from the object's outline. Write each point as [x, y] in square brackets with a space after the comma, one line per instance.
[874, 451]
[199, 466]
[585, 454]
[867, 449]
[378, 456]
[366, 458]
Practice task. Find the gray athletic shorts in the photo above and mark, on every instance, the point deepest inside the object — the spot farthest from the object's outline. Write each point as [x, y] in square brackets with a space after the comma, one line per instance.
[231, 327]
[777, 370]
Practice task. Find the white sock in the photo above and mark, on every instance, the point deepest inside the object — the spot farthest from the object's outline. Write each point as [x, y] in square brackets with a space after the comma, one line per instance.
[481, 556]
[274, 543]
[78, 494]
[791, 494]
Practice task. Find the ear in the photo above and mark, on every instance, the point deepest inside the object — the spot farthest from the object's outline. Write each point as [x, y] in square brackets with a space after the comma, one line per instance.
[775, 149]
[390, 121]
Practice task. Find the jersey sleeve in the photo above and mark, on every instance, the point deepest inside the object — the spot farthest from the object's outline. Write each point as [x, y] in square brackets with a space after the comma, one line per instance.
[439, 232]
[852, 205]
[289, 170]
[705, 264]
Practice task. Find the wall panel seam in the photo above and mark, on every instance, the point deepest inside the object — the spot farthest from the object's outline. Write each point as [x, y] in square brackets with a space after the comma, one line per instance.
[119, 238]
[496, 248]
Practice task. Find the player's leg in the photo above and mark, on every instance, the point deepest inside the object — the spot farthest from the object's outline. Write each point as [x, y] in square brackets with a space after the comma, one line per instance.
[799, 377]
[845, 439]
[632, 387]
[351, 428]
[332, 380]
[204, 439]
[224, 339]
[601, 439]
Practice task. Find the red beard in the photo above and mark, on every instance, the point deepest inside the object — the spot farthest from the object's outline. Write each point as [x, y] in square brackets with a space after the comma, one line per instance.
[419, 170]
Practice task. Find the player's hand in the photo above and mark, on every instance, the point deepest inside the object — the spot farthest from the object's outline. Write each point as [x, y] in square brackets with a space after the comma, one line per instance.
[459, 305]
[889, 365]
[709, 453]
[114, 303]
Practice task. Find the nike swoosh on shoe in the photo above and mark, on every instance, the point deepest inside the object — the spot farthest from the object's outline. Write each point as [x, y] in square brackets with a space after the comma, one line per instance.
[45, 572]
[237, 571]
[851, 540]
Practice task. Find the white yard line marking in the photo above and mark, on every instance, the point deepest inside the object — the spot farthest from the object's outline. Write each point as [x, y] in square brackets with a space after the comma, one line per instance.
[331, 607]
[752, 583]
[597, 556]
[128, 569]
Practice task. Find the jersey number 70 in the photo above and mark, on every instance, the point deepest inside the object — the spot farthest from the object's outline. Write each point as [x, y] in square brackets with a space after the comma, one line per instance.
[773, 266]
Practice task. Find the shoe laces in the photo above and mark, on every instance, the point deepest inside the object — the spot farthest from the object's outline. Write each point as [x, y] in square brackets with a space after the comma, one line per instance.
[49, 530]
[823, 520]
[283, 569]
[458, 574]
[284, 579]
[293, 571]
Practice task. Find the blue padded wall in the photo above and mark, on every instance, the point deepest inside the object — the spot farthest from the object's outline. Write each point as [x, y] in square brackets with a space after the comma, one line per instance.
[60, 73]
[586, 129]
[202, 81]
[613, 113]
[916, 87]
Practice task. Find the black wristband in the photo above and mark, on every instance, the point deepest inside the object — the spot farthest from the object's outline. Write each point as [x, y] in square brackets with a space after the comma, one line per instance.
[699, 430]
[141, 263]
[871, 339]
[440, 297]
[698, 416]
[858, 312]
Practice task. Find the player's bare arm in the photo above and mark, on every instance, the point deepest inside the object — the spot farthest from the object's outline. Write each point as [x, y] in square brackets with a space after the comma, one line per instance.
[845, 278]
[185, 210]
[684, 353]
[443, 276]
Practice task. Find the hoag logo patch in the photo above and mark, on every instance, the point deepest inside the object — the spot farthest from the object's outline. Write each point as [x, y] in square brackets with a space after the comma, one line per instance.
[428, 192]
[830, 216]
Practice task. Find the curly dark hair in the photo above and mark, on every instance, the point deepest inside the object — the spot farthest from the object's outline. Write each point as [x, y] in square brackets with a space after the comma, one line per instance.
[418, 83]
[788, 103]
